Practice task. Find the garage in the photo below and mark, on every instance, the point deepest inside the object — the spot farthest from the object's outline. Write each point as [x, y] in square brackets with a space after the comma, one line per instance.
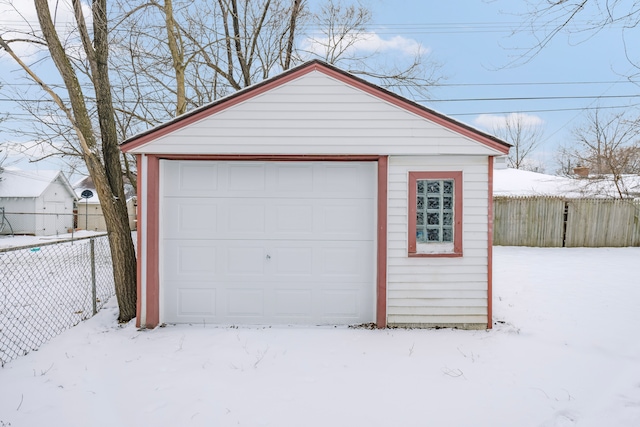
[268, 242]
[301, 201]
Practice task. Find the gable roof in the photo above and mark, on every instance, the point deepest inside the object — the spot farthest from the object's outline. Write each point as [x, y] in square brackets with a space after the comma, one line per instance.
[293, 73]
[30, 184]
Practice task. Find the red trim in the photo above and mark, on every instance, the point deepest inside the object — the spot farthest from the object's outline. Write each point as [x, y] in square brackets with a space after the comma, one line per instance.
[153, 223]
[381, 301]
[273, 157]
[153, 230]
[294, 73]
[411, 220]
[490, 248]
[139, 221]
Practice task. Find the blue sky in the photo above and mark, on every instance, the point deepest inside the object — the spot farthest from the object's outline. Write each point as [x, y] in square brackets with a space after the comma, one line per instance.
[474, 42]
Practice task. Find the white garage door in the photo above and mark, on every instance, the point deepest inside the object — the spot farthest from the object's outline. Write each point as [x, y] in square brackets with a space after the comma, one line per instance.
[268, 242]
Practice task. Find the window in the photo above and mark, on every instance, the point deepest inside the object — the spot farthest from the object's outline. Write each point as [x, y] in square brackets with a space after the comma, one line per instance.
[435, 214]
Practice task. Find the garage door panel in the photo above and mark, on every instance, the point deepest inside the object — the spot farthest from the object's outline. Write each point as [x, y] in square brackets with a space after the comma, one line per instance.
[293, 178]
[346, 181]
[190, 260]
[246, 177]
[243, 261]
[244, 219]
[347, 221]
[345, 262]
[190, 178]
[293, 218]
[245, 302]
[196, 302]
[343, 178]
[262, 218]
[273, 243]
[294, 261]
[189, 218]
[340, 303]
[249, 304]
[293, 303]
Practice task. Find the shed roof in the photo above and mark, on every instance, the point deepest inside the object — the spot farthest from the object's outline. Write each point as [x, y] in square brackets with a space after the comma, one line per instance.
[293, 73]
[30, 184]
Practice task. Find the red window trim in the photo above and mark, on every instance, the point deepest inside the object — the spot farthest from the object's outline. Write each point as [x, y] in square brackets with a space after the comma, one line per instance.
[456, 176]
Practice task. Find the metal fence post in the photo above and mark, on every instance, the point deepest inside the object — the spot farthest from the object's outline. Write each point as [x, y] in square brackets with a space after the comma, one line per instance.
[93, 275]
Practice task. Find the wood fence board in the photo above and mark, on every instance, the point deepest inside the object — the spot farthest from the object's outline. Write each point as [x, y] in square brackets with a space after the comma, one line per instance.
[541, 221]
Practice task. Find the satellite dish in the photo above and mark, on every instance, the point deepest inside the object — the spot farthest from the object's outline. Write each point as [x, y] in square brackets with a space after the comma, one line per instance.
[87, 194]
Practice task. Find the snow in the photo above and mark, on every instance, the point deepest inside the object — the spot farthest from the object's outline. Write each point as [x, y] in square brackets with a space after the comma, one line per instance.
[9, 241]
[518, 182]
[19, 183]
[564, 351]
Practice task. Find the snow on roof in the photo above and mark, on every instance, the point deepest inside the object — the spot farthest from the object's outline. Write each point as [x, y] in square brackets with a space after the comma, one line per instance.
[517, 182]
[20, 183]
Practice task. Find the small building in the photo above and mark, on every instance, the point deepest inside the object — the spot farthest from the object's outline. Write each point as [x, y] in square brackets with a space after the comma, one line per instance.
[38, 203]
[90, 216]
[315, 197]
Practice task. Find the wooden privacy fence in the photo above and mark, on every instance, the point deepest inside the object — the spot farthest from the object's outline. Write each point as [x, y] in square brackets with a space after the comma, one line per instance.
[559, 222]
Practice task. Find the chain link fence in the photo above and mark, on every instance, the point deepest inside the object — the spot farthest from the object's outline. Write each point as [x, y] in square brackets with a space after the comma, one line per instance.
[47, 288]
[56, 224]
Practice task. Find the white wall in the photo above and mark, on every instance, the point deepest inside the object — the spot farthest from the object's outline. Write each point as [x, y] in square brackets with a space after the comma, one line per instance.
[56, 206]
[314, 114]
[438, 291]
[90, 216]
[21, 224]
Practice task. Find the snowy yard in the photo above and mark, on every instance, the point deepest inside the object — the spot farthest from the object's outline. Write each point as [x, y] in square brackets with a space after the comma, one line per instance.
[564, 351]
[46, 289]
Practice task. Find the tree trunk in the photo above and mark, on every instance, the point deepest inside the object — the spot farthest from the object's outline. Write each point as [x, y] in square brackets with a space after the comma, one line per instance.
[106, 176]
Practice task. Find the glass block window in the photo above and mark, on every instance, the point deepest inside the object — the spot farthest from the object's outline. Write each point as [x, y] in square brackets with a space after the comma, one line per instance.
[435, 214]
[434, 210]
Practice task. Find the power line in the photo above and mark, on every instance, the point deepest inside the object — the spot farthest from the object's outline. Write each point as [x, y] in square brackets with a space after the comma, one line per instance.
[509, 99]
[439, 85]
[551, 110]
[529, 98]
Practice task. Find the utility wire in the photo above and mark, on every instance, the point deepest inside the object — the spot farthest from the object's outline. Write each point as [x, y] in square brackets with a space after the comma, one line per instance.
[509, 99]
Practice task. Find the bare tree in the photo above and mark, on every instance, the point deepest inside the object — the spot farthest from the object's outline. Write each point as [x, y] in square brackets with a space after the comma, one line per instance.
[98, 144]
[609, 145]
[524, 136]
[342, 38]
[550, 18]
[3, 157]
[215, 48]
[146, 61]
[190, 53]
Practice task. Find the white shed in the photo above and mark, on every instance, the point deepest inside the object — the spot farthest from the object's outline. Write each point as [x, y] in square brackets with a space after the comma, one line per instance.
[312, 198]
[38, 203]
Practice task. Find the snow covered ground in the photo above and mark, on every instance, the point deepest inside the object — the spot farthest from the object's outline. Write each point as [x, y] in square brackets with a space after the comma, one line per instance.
[8, 241]
[564, 351]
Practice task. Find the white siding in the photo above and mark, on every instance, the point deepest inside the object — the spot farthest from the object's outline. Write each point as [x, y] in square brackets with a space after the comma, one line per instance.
[15, 209]
[56, 206]
[314, 114]
[438, 291]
